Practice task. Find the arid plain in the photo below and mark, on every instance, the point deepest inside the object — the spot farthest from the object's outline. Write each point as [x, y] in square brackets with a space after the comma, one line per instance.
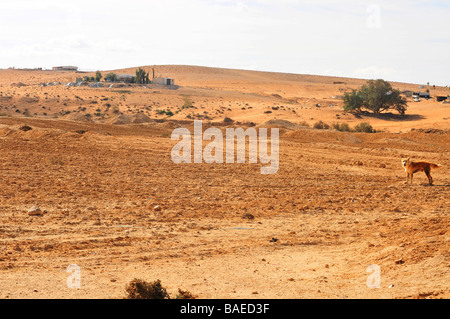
[97, 162]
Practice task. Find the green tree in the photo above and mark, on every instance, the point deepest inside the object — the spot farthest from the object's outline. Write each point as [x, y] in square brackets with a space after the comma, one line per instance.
[142, 77]
[376, 96]
[111, 77]
[352, 101]
[98, 76]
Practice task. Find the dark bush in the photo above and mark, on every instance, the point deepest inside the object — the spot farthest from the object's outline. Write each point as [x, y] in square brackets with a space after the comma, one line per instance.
[321, 125]
[140, 289]
[364, 127]
[25, 128]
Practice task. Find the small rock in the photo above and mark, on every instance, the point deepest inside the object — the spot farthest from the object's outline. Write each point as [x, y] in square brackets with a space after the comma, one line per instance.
[34, 211]
[248, 216]
[157, 208]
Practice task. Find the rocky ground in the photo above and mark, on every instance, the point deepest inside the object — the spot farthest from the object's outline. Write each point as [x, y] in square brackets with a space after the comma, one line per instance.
[113, 203]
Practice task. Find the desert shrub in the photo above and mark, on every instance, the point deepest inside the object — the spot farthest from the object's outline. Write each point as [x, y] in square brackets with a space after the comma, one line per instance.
[304, 123]
[343, 127]
[56, 161]
[184, 294]
[140, 289]
[187, 103]
[321, 125]
[98, 76]
[111, 77]
[364, 127]
[25, 128]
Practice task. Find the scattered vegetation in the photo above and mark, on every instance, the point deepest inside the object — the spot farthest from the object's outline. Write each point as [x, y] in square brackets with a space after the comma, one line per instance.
[363, 127]
[184, 294]
[304, 123]
[56, 161]
[98, 76]
[166, 112]
[115, 109]
[321, 125]
[111, 77]
[343, 127]
[140, 289]
[187, 103]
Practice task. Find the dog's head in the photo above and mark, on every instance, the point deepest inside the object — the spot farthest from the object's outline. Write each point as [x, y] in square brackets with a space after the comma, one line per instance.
[405, 161]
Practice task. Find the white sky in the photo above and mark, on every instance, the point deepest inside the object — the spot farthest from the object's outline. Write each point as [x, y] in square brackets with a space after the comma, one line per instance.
[402, 40]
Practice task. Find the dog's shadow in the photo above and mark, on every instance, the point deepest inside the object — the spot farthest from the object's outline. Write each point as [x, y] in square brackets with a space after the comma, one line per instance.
[436, 185]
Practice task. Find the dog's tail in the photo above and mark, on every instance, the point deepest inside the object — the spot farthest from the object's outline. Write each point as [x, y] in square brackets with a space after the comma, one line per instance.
[436, 165]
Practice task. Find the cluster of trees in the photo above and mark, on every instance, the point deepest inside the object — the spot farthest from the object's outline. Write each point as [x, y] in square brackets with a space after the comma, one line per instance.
[141, 77]
[111, 77]
[376, 96]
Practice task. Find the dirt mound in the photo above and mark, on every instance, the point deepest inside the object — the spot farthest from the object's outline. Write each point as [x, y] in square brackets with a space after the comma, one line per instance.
[141, 118]
[77, 117]
[121, 120]
[124, 119]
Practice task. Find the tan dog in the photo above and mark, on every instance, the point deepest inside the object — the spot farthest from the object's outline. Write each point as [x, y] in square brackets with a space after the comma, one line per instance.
[413, 167]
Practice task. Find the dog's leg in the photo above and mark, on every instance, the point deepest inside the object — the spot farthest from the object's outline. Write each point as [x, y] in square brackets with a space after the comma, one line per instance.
[430, 179]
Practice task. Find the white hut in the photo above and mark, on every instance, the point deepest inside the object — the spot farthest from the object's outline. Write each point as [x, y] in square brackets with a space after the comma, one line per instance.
[163, 81]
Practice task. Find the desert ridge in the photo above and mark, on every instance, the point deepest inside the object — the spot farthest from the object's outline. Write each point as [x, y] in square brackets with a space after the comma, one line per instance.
[204, 93]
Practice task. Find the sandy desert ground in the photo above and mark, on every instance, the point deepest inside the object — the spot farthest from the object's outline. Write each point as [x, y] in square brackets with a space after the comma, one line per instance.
[97, 161]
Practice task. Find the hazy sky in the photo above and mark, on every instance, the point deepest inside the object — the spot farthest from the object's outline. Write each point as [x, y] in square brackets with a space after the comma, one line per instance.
[402, 40]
